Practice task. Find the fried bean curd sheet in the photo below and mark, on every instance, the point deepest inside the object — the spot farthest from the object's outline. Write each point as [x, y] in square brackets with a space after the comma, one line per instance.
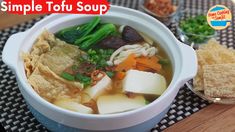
[51, 52]
[49, 85]
[46, 61]
[40, 47]
[219, 80]
[209, 54]
[60, 57]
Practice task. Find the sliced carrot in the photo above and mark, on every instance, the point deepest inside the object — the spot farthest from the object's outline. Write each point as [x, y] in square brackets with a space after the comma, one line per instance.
[120, 75]
[155, 67]
[142, 68]
[154, 59]
[141, 63]
[144, 59]
[127, 64]
[149, 62]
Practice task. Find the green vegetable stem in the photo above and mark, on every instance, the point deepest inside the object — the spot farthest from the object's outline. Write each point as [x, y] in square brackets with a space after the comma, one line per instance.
[86, 81]
[73, 33]
[67, 76]
[83, 79]
[87, 41]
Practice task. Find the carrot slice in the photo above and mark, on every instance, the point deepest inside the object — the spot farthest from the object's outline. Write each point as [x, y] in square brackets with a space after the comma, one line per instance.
[152, 59]
[127, 64]
[149, 62]
[120, 75]
[142, 67]
[141, 63]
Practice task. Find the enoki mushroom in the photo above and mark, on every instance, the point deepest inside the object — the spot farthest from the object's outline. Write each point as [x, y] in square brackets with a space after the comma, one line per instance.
[139, 50]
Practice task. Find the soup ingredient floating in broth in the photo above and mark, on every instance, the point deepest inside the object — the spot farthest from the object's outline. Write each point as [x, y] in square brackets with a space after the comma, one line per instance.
[73, 106]
[71, 34]
[130, 35]
[86, 35]
[87, 41]
[139, 63]
[112, 42]
[94, 69]
[141, 82]
[102, 86]
[117, 103]
[137, 49]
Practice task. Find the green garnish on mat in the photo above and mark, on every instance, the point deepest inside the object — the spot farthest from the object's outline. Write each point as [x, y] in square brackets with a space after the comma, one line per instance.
[197, 28]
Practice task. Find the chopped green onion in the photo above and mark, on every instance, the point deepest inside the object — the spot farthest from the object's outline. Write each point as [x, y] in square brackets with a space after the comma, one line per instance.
[147, 102]
[110, 74]
[83, 79]
[164, 61]
[74, 67]
[97, 57]
[67, 76]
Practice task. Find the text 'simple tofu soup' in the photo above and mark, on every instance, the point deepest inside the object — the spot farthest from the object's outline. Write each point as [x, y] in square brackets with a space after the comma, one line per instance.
[97, 68]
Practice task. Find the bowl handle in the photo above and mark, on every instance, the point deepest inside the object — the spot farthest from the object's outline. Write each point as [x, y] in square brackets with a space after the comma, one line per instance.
[11, 49]
[189, 63]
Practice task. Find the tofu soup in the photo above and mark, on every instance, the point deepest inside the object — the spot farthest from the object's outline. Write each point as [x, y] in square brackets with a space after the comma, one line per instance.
[97, 68]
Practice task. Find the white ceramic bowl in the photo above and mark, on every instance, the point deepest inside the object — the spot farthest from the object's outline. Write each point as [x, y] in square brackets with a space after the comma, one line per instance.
[183, 59]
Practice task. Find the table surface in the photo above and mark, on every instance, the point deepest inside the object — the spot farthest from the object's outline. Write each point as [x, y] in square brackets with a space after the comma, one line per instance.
[212, 118]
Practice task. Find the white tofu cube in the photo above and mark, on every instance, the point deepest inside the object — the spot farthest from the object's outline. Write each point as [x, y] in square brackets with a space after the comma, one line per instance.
[73, 106]
[144, 83]
[101, 87]
[117, 103]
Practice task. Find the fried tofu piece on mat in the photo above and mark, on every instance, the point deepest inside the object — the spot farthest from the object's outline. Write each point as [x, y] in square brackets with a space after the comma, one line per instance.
[209, 54]
[219, 80]
[204, 58]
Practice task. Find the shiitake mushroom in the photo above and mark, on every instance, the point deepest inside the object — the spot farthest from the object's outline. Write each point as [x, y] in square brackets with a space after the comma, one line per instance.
[112, 42]
[130, 35]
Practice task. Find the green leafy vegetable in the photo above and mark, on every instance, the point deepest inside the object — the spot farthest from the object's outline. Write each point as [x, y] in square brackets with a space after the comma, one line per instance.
[110, 74]
[83, 79]
[87, 41]
[68, 34]
[67, 76]
[197, 29]
[163, 61]
[78, 77]
[71, 34]
[147, 102]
